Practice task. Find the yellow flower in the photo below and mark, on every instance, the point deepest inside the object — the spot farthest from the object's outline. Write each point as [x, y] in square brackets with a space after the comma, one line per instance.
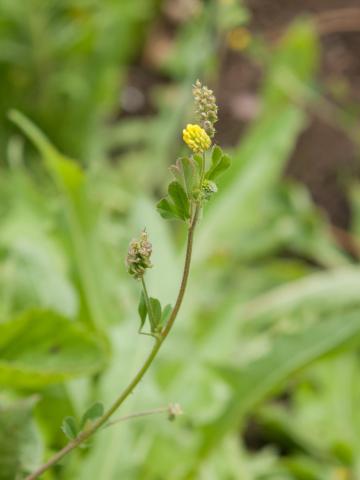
[196, 138]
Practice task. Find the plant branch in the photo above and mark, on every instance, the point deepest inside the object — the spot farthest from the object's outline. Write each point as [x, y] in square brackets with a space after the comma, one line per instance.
[171, 410]
[145, 413]
[89, 431]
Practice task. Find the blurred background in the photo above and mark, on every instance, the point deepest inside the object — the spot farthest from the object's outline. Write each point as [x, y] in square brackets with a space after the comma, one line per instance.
[264, 358]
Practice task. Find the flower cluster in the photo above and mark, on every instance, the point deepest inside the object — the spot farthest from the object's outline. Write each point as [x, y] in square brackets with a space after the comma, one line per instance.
[196, 138]
[138, 257]
[205, 107]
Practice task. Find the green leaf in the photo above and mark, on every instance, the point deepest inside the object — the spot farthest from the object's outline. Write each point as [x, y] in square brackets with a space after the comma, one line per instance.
[199, 161]
[156, 313]
[166, 314]
[21, 449]
[218, 168]
[92, 413]
[293, 62]
[216, 155]
[65, 171]
[166, 209]
[142, 309]
[180, 199]
[288, 354]
[41, 347]
[186, 173]
[69, 427]
[71, 182]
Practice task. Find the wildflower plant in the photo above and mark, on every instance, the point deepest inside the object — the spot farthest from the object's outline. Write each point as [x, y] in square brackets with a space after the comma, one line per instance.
[193, 185]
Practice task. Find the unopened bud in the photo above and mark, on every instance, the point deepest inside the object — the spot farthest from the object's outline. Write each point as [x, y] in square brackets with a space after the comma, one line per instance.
[208, 188]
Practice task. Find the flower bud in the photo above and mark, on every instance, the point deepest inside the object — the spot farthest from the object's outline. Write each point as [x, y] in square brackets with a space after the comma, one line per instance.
[138, 257]
[196, 138]
[208, 188]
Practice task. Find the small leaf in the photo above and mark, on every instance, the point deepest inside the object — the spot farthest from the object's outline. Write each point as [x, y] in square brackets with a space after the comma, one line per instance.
[92, 413]
[199, 161]
[142, 309]
[216, 155]
[69, 427]
[166, 209]
[216, 170]
[186, 172]
[180, 199]
[156, 313]
[166, 314]
[176, 171]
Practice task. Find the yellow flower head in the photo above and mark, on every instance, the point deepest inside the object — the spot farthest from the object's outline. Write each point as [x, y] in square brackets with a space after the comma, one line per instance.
[196, 138]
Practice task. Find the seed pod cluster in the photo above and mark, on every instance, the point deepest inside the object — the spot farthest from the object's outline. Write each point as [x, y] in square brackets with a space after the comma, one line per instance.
[138, 257]
[205, 107]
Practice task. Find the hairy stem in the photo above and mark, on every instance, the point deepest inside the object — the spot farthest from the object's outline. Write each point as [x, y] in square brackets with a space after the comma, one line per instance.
[89, 431]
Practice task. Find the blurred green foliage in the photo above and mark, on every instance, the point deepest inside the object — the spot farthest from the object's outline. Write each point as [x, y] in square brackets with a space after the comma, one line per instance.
[262, 335]
[62, 63]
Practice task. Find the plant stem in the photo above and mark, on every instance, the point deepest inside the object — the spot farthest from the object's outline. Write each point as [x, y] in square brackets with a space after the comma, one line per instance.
[85, 434]
[145, 413]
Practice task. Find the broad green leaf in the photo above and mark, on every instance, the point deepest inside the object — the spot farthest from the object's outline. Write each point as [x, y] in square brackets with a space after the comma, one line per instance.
[70, 428]
[65, 171]
[71, 182]
[41, 347]
[294, 61]
[20, 442]
[94, 412]
[180, 199]
[287, 355]
[320, 292]
[142, 309]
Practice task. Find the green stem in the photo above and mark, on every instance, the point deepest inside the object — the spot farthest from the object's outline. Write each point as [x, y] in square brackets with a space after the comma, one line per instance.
[131, 416]
[85, 434]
